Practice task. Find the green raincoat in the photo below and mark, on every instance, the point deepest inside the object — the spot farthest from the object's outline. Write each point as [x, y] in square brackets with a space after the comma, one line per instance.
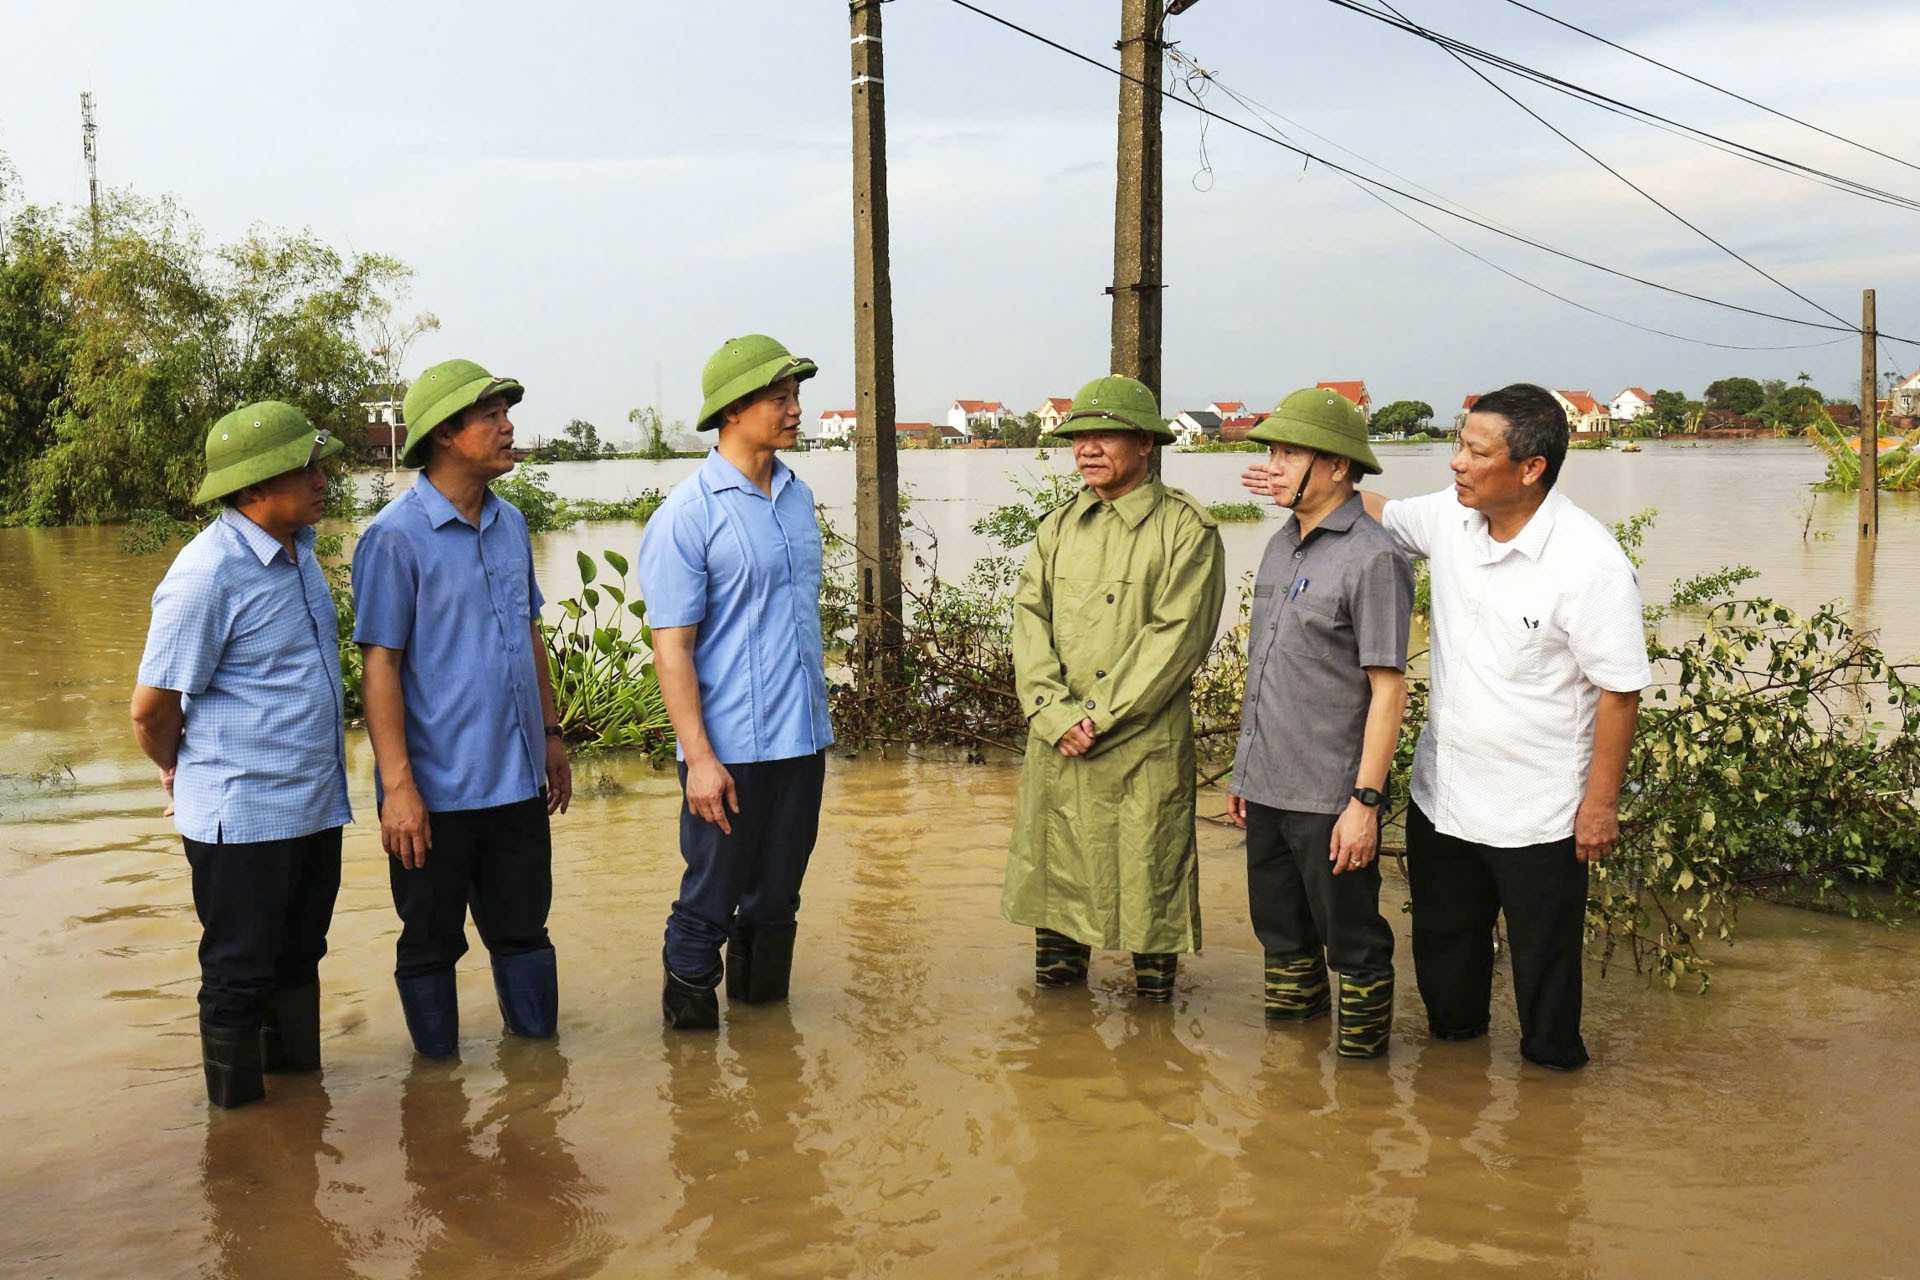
[1115, 610]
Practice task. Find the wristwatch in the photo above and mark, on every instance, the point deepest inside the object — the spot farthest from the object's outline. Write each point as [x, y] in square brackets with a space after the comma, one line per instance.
[554, 731]
[1367, 796]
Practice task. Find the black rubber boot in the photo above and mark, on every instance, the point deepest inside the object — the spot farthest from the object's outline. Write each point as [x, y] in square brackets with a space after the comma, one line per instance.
[689, 1004]
[528, 986]
[1059, 961]
[290, 1031]
[431, 1003]
[740, 964]
[1153, 974]
[1366, 1014]
[771, 967]
[231, 1058]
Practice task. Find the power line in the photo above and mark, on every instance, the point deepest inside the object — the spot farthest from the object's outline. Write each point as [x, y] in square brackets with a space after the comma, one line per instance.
[1640, 190]
[1405, 195]
[1260, 111]
[1643, 115]
[1708, 84]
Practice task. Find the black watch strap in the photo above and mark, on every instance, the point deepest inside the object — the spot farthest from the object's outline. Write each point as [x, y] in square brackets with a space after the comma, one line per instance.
[553, 731]
[1367, 796]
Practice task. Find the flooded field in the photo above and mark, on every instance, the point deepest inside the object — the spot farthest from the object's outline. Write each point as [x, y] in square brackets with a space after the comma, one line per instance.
[918, 1109]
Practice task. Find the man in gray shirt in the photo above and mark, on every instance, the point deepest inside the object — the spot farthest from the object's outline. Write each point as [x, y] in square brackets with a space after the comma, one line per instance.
[1326, 689]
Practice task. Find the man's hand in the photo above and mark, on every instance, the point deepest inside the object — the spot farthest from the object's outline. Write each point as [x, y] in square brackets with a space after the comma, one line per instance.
[166, 784]
[710, 792]
[1356, 838]
[1596, 829]
[1237, 810]
[1257, 479]
[404, 832]
[1077, 741]
[559, 777]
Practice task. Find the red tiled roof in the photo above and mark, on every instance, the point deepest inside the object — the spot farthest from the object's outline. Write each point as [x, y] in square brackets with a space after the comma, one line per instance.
[1639, 391]
[978, 406]
[1229, 406]
[1582, 401]
[1469, 402]
[1354, 391]
[1061, 404]
[921, 427]
[839, 413]
[1247, 420]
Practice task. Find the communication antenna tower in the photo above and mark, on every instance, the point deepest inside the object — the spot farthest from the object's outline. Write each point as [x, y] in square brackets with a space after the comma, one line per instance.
[87, 130]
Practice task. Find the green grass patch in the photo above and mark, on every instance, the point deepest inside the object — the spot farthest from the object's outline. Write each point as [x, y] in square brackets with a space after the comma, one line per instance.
[1236, 512]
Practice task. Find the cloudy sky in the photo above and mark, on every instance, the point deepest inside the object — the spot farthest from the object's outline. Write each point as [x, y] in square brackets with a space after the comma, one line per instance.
[596, 195]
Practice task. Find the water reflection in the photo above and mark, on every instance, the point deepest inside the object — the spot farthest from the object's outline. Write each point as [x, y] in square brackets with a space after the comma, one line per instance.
[260, 1175]
[755, 1199]
[502, 1190]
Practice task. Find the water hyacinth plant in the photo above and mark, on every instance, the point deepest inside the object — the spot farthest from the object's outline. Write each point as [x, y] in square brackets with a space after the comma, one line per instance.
[604, 686]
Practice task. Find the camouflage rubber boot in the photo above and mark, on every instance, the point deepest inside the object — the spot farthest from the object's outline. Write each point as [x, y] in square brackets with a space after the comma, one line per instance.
[1366, 1014]
[1296, 988]
[1059, 961]
[1153, 974]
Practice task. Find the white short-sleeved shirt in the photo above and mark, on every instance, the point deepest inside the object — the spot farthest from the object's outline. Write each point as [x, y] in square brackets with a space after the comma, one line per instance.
[1525, 635]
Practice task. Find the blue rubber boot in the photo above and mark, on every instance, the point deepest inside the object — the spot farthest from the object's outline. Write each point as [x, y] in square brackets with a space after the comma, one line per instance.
[529, 989]
[432, 1005]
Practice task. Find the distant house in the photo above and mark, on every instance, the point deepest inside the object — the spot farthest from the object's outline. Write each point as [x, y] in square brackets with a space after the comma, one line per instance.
[1228, 408]
[1630, 404]
[917, 435]
[1354, 391]
[1466, 405]
[1196, 426]
[1235, 428]
[1584, 413]
[386, 425]
[838, 424]
[1905, 400]
[1053, 411]
[966, 415]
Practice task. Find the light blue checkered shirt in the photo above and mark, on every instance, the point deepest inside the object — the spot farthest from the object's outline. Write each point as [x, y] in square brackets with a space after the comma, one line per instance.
[249, 636]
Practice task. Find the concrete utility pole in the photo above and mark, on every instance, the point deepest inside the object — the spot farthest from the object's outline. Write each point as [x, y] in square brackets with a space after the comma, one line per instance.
[1136, 195]
[1869, 427]
[877, 635]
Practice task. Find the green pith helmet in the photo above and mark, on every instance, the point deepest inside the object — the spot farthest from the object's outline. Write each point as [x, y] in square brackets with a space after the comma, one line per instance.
[743, 366]
[258, 442]
[1318, 419]
[441, 392]
[1114, 403]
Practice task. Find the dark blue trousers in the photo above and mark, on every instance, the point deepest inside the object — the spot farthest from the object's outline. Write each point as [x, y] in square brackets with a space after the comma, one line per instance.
[753, 876]
[496, 862]
[264, 910]
[1299, 907]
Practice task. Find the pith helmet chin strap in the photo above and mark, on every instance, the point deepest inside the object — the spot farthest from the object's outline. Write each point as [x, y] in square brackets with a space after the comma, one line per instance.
[1305, 476]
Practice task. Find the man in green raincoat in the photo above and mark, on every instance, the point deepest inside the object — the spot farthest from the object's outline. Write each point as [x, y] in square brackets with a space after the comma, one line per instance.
[1116, 607]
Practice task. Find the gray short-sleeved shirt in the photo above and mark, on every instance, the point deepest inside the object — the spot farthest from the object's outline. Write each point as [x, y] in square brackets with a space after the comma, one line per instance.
[1323, 611]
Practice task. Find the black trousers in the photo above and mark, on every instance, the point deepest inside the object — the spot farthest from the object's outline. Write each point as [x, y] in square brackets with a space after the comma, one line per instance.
[1299, 907]
[754, 874]
[264, 909]
[499, 863]
[1458, 889]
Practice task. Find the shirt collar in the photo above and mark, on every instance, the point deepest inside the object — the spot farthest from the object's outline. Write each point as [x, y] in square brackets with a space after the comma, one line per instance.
[257, 540]
[1532, 538]
[440, 510]
[1133, 506]
[721, 474]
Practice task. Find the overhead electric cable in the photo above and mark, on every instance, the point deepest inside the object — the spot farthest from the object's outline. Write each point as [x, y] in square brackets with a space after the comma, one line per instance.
[1594, 97]
[1708, 84]
[1259, 111]
[1405, 195]
[1645, 194]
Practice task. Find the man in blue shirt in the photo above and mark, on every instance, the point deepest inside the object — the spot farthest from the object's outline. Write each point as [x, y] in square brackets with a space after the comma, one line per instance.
[730, 569]
[239, 704]
[469, 765]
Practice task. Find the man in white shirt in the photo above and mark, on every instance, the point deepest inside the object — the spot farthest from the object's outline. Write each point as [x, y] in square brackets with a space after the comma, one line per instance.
[1538, 658]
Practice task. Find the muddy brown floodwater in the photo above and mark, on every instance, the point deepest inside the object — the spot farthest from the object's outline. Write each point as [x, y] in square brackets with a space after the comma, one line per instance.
[918, 1109]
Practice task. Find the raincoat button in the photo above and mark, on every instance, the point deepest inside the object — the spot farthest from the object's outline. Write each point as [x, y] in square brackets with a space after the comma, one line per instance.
[1099, 675]
[1040, 701]
[1109, 597]
[1089, 704]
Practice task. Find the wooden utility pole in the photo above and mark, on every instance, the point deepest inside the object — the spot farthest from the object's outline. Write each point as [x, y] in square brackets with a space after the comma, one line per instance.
[1869, 426]
[876, 456]
[1136, 196]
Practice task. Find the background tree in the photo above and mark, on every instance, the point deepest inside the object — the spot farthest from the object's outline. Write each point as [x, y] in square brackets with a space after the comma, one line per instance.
[1669, 410]
[389, 339]
[1021, 432]
[1740, 396]
[1798, 407]
[653, 432]
[1403, 417]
